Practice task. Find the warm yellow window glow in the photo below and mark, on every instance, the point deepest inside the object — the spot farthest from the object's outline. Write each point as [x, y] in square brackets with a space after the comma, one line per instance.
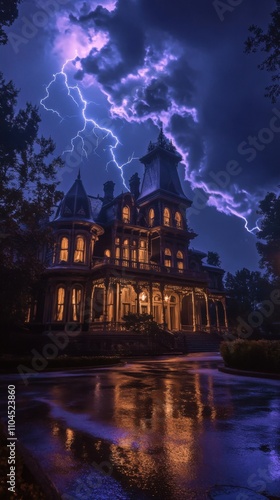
[76, 304]
[60, 304]
[180, 261]
[79, 254]
[167, 257]
[179, 255]
[107, 253]
[151, 217]
[178, 220]
[166, 217]
[126, 214]
[64, 246]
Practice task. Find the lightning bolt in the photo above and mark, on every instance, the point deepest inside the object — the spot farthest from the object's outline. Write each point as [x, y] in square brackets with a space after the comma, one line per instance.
[75, 94]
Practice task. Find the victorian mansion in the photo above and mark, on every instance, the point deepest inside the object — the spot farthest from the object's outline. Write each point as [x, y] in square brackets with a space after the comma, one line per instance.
[130, 253]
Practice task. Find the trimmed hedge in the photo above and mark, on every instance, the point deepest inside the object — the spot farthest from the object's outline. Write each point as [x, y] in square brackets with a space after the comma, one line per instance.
[255, 355]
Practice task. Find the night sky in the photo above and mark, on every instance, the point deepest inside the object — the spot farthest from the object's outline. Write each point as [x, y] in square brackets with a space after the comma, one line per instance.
[134, 65]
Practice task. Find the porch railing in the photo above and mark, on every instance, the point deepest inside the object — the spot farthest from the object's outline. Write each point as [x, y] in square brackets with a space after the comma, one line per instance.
[145, 266]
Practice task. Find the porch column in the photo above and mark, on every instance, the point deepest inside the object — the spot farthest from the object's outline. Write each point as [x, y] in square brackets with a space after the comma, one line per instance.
[151, 298]
[193, 310]
[162, 301]
[105, 303]
[207, 311]
[217, 315]
[225, 312]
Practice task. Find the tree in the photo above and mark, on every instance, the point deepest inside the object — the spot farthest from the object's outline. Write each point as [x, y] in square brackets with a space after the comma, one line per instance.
[269, 247]
[245, 290]
[8, 14]
[213, 259]
[268, 42]
[142, 323]
[28, 193]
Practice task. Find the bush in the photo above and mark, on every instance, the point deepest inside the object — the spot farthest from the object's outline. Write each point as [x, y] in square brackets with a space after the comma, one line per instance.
[257, 355]
[141, 323]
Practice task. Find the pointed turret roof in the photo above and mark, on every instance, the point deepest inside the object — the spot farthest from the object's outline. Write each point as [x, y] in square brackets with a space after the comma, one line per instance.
[75, 204]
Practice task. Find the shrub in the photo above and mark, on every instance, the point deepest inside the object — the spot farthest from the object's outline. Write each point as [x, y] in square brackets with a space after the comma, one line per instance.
[258, 355]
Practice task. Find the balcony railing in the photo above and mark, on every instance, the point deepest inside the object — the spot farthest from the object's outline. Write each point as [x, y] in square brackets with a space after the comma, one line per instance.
[98, 262]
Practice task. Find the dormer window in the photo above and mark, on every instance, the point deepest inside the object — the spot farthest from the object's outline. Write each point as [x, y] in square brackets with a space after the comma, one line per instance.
[178, 220]
[79, 254]
[126, 214]
[166, 217]
[64, 249]
[151, 217]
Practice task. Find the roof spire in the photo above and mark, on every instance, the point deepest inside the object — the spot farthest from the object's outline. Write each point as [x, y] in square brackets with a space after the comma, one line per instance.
[79, 175]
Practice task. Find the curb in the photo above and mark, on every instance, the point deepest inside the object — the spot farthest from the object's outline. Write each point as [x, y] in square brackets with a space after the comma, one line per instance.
[247, 373]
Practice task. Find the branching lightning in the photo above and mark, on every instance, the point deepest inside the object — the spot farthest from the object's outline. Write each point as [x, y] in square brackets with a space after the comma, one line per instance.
[75, 93]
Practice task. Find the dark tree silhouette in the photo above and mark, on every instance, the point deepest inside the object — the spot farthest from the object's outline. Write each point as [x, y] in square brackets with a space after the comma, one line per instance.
[28, 192]
[213, 259]
[269, 247]
[268, 42]
[8, 14]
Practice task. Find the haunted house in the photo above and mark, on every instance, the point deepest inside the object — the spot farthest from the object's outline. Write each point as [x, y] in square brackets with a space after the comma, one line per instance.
[130, 253]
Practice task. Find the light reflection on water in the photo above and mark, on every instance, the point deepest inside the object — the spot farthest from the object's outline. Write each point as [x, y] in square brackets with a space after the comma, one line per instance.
[170, 429]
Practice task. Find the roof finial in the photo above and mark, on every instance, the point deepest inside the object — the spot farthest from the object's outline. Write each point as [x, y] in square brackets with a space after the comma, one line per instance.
[79, 175]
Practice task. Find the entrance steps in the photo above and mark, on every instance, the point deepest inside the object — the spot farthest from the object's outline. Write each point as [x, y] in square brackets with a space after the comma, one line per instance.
[190, 342]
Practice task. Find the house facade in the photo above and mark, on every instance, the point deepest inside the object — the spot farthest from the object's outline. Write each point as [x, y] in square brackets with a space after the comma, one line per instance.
[130, 253]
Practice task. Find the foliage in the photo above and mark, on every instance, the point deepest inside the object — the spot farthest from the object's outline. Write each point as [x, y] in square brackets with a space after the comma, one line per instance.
[245, 290]
[28, 193]
[269, 248]
[259, 355]
[213, 259]
[8, 14]
[268, 42]
[141, 323]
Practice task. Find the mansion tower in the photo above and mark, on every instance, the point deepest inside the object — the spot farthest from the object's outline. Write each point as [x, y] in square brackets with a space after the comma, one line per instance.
[130, 253]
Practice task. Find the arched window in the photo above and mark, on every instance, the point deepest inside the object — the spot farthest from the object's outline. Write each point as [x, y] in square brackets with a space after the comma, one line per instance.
[79, 254]
[180, 261]
[151, 217]
[59, 306]
[166, 217]
[167, 257]
[126, 214]
[76, 303]
[107, 253]
[64, 249]
[178, 220]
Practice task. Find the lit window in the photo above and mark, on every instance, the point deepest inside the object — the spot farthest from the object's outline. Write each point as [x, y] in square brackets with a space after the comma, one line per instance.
[79, 254]
[167, 257]
[151, 217]
[178, 220]
[107, 253]
[180, 261]
[125, 250]
[64, 246]
[118, 252]
[166, 217]
[60, 304]
[126, 214]
[76, 302]
[117, 241]
[143, 244]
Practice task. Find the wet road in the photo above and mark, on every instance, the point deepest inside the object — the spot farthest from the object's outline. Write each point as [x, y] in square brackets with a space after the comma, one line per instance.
[169, 428]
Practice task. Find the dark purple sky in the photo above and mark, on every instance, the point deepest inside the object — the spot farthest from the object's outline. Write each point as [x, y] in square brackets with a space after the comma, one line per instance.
[136, 64]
